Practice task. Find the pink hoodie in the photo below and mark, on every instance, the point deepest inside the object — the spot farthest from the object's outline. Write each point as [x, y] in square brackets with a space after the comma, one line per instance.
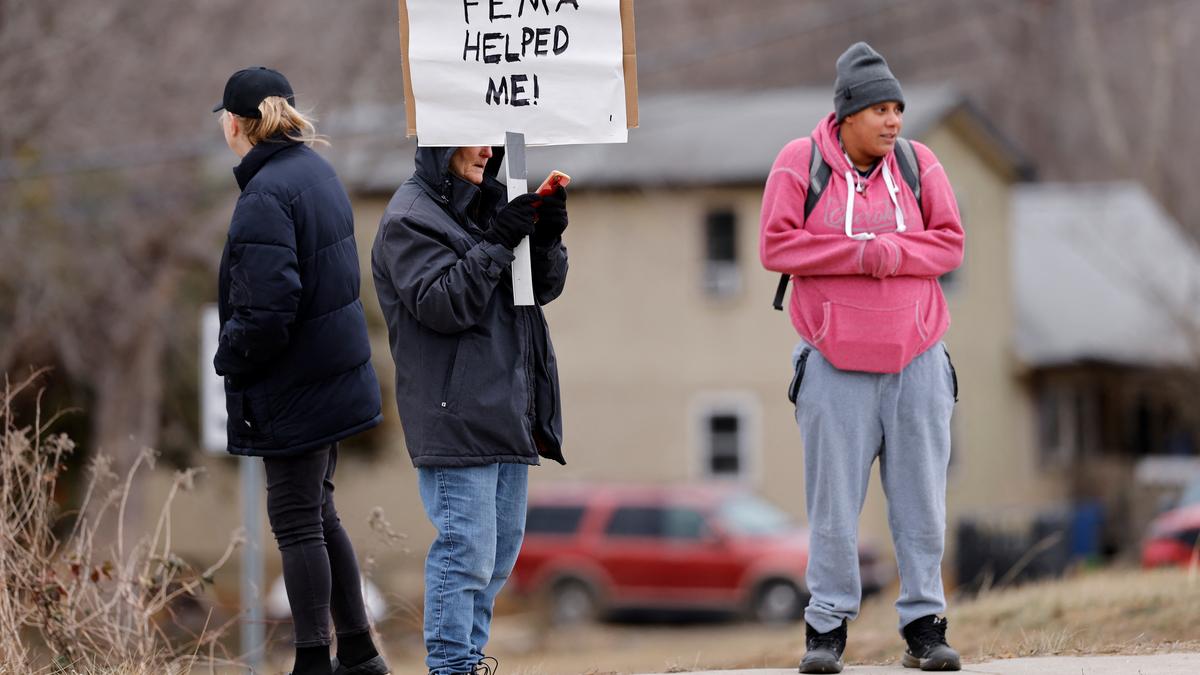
[867, 304]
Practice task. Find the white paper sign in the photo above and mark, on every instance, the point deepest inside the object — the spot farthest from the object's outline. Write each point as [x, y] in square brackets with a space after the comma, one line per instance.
[550, 69]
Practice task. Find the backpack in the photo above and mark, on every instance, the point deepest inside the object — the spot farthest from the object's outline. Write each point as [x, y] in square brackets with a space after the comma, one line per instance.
[818, 180]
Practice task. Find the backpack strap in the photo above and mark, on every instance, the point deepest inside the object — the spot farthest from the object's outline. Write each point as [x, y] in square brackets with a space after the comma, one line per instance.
[819, 172]
[780, 291]
[909, 169]
[818, 179]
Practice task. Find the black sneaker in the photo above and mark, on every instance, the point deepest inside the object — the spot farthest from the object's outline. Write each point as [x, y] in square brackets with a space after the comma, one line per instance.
[927, 648]
[373, 666]
[824, 653]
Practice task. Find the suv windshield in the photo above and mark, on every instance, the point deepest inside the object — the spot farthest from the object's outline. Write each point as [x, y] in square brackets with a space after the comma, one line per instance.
[749, 515]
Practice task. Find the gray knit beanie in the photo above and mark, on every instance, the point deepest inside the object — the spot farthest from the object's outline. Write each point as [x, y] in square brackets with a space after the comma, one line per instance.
[863, 79]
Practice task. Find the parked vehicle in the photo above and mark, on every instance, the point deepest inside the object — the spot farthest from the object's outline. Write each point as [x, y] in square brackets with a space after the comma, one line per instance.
[1173, 535]
[592, 549]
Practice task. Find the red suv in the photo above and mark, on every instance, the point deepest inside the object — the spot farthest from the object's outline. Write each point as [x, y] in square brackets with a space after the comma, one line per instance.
[1172, 539]
[590, 549]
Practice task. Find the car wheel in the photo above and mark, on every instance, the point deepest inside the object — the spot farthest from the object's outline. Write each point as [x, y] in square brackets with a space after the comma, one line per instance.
[778, 601]
[572, 601]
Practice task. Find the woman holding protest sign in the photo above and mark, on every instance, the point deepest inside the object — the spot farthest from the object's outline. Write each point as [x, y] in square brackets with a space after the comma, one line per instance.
[295, 356]
[864, 222]
[476, 376]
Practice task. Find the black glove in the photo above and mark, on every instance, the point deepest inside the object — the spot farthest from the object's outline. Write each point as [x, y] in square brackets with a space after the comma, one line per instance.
[512, 223]
[552, 218]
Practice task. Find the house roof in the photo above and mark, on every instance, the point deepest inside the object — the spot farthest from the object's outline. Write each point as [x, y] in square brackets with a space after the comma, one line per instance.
[1102, 273]
[693, 138]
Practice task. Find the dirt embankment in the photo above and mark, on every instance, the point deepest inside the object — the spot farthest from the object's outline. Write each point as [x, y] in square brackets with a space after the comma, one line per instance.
[1104, 612]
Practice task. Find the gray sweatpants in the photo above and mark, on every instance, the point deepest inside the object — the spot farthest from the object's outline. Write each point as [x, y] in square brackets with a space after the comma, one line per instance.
[846, 420]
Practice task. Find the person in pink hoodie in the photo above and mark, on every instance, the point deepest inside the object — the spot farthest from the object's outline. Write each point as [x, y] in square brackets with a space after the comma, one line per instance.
[871, 375]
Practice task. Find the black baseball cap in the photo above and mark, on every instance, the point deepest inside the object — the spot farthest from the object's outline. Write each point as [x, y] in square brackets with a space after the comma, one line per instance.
[249, 86]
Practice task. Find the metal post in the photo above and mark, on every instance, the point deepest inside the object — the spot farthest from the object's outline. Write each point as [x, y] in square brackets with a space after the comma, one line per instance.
[253, 625]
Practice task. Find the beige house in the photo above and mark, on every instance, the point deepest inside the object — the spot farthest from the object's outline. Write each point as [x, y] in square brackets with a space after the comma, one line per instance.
[673, 364]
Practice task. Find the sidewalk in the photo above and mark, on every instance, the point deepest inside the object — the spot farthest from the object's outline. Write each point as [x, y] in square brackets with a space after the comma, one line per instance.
[1154, 664]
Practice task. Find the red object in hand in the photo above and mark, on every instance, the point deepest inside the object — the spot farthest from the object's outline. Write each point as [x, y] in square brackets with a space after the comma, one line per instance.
[552, 182]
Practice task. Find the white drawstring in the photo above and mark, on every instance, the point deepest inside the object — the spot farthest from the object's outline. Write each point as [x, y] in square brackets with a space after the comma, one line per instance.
[864, 236]
[893, 191]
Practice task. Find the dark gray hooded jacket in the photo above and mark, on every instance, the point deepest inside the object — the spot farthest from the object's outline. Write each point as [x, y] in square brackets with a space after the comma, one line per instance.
[476, 377]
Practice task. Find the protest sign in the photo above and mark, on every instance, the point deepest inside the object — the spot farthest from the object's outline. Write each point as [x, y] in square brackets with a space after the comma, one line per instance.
[517, 72]
[557, 71]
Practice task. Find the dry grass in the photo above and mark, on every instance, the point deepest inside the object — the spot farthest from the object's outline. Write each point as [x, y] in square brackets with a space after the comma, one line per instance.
[1115, 611]
[1096, 612]
[71, 599]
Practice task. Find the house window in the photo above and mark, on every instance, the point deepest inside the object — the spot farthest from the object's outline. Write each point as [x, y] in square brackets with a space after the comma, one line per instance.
[1056, 424]
[1067, 424]
[726, 433]
[724, 445]
[722, 278]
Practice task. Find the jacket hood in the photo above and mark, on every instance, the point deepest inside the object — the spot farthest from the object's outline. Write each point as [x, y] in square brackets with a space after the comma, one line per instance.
[826, 135]
[433, 163]
[830, 144]
[433, 169]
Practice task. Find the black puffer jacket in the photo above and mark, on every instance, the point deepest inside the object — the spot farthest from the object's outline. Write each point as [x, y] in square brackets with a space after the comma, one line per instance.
[293, 347]
[476, 377]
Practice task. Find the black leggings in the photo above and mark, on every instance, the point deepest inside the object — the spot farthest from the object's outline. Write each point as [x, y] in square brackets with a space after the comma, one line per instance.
[319, 568]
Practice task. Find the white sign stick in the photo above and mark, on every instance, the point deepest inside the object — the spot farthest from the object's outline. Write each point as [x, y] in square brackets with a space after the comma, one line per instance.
[518, 184]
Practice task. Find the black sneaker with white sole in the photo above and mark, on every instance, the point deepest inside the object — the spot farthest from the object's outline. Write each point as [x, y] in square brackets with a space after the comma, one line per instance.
[825, 650]
[927, 647]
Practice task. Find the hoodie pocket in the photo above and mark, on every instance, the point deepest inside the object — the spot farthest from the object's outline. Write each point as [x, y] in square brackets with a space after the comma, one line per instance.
[869, 339]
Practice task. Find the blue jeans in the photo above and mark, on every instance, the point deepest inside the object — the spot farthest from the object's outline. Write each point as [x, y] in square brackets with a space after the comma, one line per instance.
[479, 513]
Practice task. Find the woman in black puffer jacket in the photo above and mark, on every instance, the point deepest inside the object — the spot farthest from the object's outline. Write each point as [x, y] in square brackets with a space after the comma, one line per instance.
[295, 356]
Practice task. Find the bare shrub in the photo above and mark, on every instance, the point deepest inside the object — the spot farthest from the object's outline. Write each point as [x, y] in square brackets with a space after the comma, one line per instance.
[68, 602]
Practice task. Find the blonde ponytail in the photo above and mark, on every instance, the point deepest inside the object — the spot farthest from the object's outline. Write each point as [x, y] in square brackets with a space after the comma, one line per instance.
[279, 117]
